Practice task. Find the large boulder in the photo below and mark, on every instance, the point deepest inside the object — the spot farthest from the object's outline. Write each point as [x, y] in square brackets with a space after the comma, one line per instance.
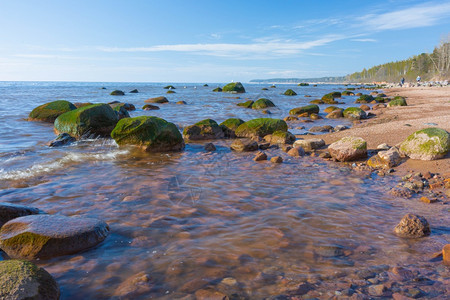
[260, 127]
[48, 112]
[9, 211]
[22, 280]
[262, 103]
[97, 119]
[204, 130]
[354, 113]
[426, 144]
[364, 99]
[229, 126]
[280, 137]
[400, 101]
[153, 134]
[234, 87]
[290, 92]
[412, 226]
[329, 98]
[348, 149]
[47, 236]
[120, 110]
[309, 109]
[160, 99]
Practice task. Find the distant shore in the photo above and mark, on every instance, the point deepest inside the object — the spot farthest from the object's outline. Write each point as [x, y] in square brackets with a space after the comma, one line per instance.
[427, 106]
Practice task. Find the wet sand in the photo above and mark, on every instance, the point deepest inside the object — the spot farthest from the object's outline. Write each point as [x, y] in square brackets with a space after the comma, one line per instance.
[426, 106]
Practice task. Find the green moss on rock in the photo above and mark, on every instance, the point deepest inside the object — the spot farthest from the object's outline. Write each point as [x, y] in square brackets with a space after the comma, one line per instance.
[229, 126]
[354, 113]
[397, 102]
[246, 104]
[426, 144]
[303, 84]
[160, 99]
[364, 99]
[262, 103]
[48, 112]
[117, 93]
[204, 130]
[289, 92]
[153, 134]
[309, 109]
[316, 101]
[217, 89]
[169, 87]
[234, 87]
[260, 127]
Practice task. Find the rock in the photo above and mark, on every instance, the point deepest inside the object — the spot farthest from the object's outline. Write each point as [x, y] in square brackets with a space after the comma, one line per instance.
[137, 285]
[290, 118]
[260, 127]
[280, 137]
[120, 110]
[331, 108]
[81, 104]
[62, 139]
[446, 255]
[383, 146]
[309, 109]
[335, 114]
[9, 211]
[244, 145]
[169, 87]
[377, 290]
[329, 98]
[310, 144]
[170, 92]
[348, 93]
[135, 91]
[398, 101]
[150, 107]
[152, 134]
[181, 102]
[204, 130]
[234, 87]
[296, 152]
[260, 156]
[210, 294]
[23, 280]
[205, 84]
[262, 103]
[426, 144]
[412, 226]
[364, 99]
[348, 149]
[97, 119]
[276, 159]
[316, 101]
[315, 116]
[385, 159]
[324, 128]
[354, 113]
[229, 126]
[340, 128]
[290, 92]
[210, 147]
[117, 93]
[217, 89]
[160, 99]
[365, 107]
[246, 104]
[378, 106]
[428, 200]
[48, 112]
[47, 236]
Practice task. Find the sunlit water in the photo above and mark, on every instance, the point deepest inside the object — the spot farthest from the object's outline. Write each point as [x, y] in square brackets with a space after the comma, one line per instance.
[192, 218]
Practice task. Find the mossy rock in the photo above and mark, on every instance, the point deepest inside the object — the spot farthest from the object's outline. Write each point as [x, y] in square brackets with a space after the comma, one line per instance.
[330, 109]
[48, 112]
[120, 110]
[229, 126]
[170, 92]
[234, 87]
[309, 109]
[135, 91]
[81, 104]
[335, 114]
[152, 134]
[246, 104]
[316, 101]
[354, 113]
[397, 102]
[117, 93]
[348, 149]
[273, 87]
[381, 95]
[205, 84]
[364, 99]
[98, 119]
[358, 94]
[350, 89]
[204, 130]
[24, 280]
[379, 99]
[150, 107]
[262, 103]
[217, 89]
[264, 89]
[348, 93]
[290, 92]
[303, 84]
[280, 137]
[329, 98]
[160, 99]
[169, 87]
[426, 144]
[260, 127]
[399, 97]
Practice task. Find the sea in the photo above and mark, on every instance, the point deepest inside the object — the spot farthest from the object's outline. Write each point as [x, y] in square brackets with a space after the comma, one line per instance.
[186, 221]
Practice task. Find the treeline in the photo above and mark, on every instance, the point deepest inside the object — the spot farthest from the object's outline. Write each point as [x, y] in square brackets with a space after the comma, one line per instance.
[430, 66]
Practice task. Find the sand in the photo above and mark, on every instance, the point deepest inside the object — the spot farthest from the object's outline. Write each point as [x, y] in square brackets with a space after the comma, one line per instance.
[427, 107]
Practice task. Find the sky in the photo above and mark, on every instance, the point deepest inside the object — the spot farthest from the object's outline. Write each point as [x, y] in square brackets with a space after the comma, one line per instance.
[209, 40]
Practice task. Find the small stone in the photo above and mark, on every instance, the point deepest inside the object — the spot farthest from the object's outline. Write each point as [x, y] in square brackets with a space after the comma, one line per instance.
[428, 200]
[9, 211]
[181, 102]
[412, 226]
[277, 159]
[383, 146]
[446, 255]
[427, 175]
[244, 145]
[230, 281]
[264, 146]
[209, 294]
[325, 155]
[296, 152]
[286, 148]
[138, 285]
[413, 292]
[260, 156]
[377, 290]
[210, 147]
[310, 144]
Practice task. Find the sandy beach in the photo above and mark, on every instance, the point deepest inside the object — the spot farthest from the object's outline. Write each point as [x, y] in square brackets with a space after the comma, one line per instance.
[427, 107]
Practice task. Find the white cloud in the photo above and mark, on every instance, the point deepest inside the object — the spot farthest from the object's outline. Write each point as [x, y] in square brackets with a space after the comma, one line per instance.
[423, 15]
[364, 40]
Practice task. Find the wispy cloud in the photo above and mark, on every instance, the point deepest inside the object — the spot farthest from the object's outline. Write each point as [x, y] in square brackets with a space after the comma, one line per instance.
[423, 15]
[364, 40]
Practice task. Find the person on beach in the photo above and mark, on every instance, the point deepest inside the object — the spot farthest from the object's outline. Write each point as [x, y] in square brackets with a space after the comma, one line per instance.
[418, 79]
[402, 81]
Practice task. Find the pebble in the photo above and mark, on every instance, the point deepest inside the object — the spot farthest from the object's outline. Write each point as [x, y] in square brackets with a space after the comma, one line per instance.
[446, 254]
[260, 156]
[277, 159]
[210, 147]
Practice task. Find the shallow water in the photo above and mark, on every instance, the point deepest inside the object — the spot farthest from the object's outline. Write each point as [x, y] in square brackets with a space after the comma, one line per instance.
[191, 219]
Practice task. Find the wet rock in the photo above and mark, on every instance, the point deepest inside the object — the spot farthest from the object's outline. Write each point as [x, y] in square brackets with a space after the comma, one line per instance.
[401, 192]
[210, 147]
[290, 118]
[276, 159]
[160, 99]
[229, 126]
[354, 113]
[324, 128]
[308, 110]
[413, 226]
[446, 255]
[280, 137]
[234, 87]
[290, 92]
[315, 116]
[335, 114]
[136, 286]
[296, 152]
[260, 127]
[62, 139]
[48, 112]
[152, 134]
[428, 200]
[365, 107]
[260, 156]
[246, 104]
[117, 93]
[210, 294]
[414, 293]
[426, 144]
[385, 159]
[377, 290]
[9, 211]
[262, 103]
[169, 87]
[126, 106]
[348, 149]
[204, 130]
[23, 280]
[340, 128]
[181, 102]
[120, 110]
[244, 145]
[310, 144]
[264, 146]
[217, 89]
[47, 236]
[135, 91]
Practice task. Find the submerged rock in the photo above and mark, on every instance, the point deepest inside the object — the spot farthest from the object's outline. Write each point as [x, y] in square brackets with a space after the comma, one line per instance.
[426, 144]
[262, 103]
[234, 87]
[204, 130]
[244, 145]
[48, 112]
[260, 127]
[152, 134]
[23, 280]
[117, 93]
[229, 126]
[260, 156]
[280, 137]
[62, 139]
[160, 99]
[169, 87]
[210, 147]
[217, 89]
[348, 149]
[296, 151]
[246, 104]
[93, 119]
[276, 160]
[289, 92]
[9, 211]
[150, 107]
[134, 91]
[135, 286]
[308, 109]
[47, 236]
[412, 226]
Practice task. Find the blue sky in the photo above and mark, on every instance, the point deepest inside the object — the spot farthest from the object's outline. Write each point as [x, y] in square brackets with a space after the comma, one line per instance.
[211, 41]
